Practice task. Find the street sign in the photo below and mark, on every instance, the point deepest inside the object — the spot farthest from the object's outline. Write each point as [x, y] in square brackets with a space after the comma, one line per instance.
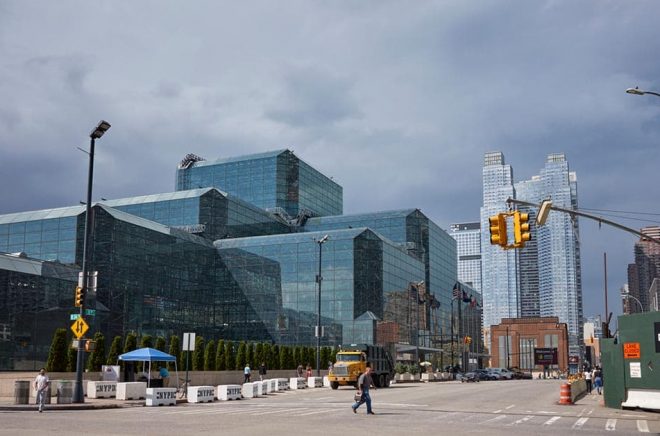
[79, 327]
[74, 316]
[545, 356]
[188, 342]
[631, 350]
[90, 312]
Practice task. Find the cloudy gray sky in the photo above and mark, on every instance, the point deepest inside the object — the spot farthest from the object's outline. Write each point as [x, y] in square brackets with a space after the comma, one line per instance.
[397, 100]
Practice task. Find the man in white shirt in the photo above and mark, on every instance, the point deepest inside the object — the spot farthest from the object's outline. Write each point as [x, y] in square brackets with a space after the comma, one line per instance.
[41, 386]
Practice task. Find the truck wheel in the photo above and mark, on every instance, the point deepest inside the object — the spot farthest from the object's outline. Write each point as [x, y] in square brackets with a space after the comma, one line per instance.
[382, 381]
[334, 385]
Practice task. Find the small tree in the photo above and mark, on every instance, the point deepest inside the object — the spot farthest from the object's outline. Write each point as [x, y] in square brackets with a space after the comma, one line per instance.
[209, 356]
[274, 357]
[147, 341]
[160, 344]
[129, 345]
[220, 356]
[241, 356]
[97, 357]
[297, 355]
[72, 359]
[115, 350]
[230, 359]
[198, 354]
[175, 350]
[259, 354]
[57, 356]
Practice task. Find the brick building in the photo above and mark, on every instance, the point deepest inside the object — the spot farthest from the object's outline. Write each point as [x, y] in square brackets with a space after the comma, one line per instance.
[513, 342]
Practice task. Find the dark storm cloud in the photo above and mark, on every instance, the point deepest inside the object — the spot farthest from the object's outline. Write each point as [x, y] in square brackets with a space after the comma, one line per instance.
[397, 102]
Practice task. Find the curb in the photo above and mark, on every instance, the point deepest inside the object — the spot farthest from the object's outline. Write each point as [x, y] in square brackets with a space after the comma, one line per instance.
[59, 407]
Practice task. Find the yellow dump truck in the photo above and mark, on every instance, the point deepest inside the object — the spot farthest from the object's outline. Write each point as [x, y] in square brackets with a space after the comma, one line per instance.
[351, 362]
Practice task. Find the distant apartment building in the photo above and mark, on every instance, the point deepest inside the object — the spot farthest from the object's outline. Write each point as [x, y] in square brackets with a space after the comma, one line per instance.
[468, 250]
[544, 278]
[642, 273]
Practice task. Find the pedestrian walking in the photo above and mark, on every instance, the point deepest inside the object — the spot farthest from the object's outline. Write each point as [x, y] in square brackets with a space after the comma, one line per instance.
[262, 371]
[364, 383]
[309, 370]
[300, 370]
[598, 380]
[246, 373]
[587, 378]
[41, 383]
[164, 375]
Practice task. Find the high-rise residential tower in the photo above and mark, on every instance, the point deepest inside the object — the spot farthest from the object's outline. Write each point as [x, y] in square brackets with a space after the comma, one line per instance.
[499, 268]
[468, 250]
[545, 279]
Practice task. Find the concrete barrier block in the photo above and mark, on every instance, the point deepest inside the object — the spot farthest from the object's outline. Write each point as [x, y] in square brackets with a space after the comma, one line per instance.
[326, 382]
[132, 391]
[298, 383]
[282, 384]
[265, 387]
[161, 397]
[229, 392]
[314, 382]
[200, 394]
[101, 389]
[272, 385]
[250, 390]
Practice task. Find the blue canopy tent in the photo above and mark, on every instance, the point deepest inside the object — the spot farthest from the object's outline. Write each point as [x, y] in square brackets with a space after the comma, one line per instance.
[150, 355]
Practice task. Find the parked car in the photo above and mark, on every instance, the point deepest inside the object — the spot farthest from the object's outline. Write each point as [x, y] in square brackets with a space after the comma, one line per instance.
[470, 377]
[501, 373]
[519, 374]
[483, 374]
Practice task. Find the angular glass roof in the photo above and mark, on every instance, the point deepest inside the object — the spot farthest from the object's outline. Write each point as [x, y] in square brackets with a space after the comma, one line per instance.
[239, 158]
[402, 213]
[42, 214]
[176, 195]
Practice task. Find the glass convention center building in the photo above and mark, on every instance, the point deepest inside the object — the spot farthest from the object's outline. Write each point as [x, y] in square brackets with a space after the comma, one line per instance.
[232, 253]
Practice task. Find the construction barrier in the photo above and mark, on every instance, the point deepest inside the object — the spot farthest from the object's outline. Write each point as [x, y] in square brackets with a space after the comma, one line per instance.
[565, 394]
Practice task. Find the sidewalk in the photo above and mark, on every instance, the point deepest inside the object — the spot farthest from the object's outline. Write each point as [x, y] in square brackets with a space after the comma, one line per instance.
[7, 404]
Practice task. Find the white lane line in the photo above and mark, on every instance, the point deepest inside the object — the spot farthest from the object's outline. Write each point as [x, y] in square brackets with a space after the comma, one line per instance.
[509, 407]
[497, 418]
[497, 411]
[521, 420]
[579, 423]
[552, 420]
[315, 412]
[642, 426]
[610, 425]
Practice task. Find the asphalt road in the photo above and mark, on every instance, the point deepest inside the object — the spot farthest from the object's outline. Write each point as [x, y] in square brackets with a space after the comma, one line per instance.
[519, 407]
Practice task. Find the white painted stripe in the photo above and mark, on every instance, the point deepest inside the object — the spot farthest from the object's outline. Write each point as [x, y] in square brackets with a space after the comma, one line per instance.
[510, 406]
[497, 411]
[315, 412]
[521, 420]
[642, 426]
[579, 423]
[497, 418]
[552, 420]
[610, 425]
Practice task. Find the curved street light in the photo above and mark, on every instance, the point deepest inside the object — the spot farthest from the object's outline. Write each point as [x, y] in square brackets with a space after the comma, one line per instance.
[641, 308]
[637, 91]
[319, 279]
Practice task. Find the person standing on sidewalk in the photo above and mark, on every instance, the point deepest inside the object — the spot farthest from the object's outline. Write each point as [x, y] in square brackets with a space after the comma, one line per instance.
[41, 386]
[246, 373]
[587, 378]
[364, 383]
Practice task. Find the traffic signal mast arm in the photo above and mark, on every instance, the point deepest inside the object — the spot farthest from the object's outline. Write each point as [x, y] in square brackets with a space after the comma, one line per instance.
[586, 215]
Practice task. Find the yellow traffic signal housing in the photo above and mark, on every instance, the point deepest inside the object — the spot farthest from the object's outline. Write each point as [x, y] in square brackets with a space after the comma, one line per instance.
[521, 232]
[79, 298]
[498, 229]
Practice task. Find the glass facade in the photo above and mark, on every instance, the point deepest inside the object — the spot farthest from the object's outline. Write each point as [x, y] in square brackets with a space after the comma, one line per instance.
[221, 265]
[206, 212]
[276, 180]
[468, 250]
[499, 268]
[35, 300]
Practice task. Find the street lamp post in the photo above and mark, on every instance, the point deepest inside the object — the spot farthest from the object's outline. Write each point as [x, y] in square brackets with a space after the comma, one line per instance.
[637, 91]
[417, 285]
[319, 279]
[99, 130]
[641, 308]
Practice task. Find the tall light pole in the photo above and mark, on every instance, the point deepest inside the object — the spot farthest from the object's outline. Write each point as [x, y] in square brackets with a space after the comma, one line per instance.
[641, 308]
[417, 285]
[319, 279]
[637, 91]
[99, 130]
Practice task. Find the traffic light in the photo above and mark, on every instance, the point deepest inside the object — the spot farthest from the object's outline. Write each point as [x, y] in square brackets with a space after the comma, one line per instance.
[80, 297]
[498, 229]
[467, 340]
[521, 229]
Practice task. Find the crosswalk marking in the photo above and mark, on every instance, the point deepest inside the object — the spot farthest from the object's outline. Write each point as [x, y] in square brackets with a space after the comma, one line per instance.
[579, 423]
[610, 425]
[552, 420]
[497, 418]
[521, 420]
[510, 406]
[642, 426]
